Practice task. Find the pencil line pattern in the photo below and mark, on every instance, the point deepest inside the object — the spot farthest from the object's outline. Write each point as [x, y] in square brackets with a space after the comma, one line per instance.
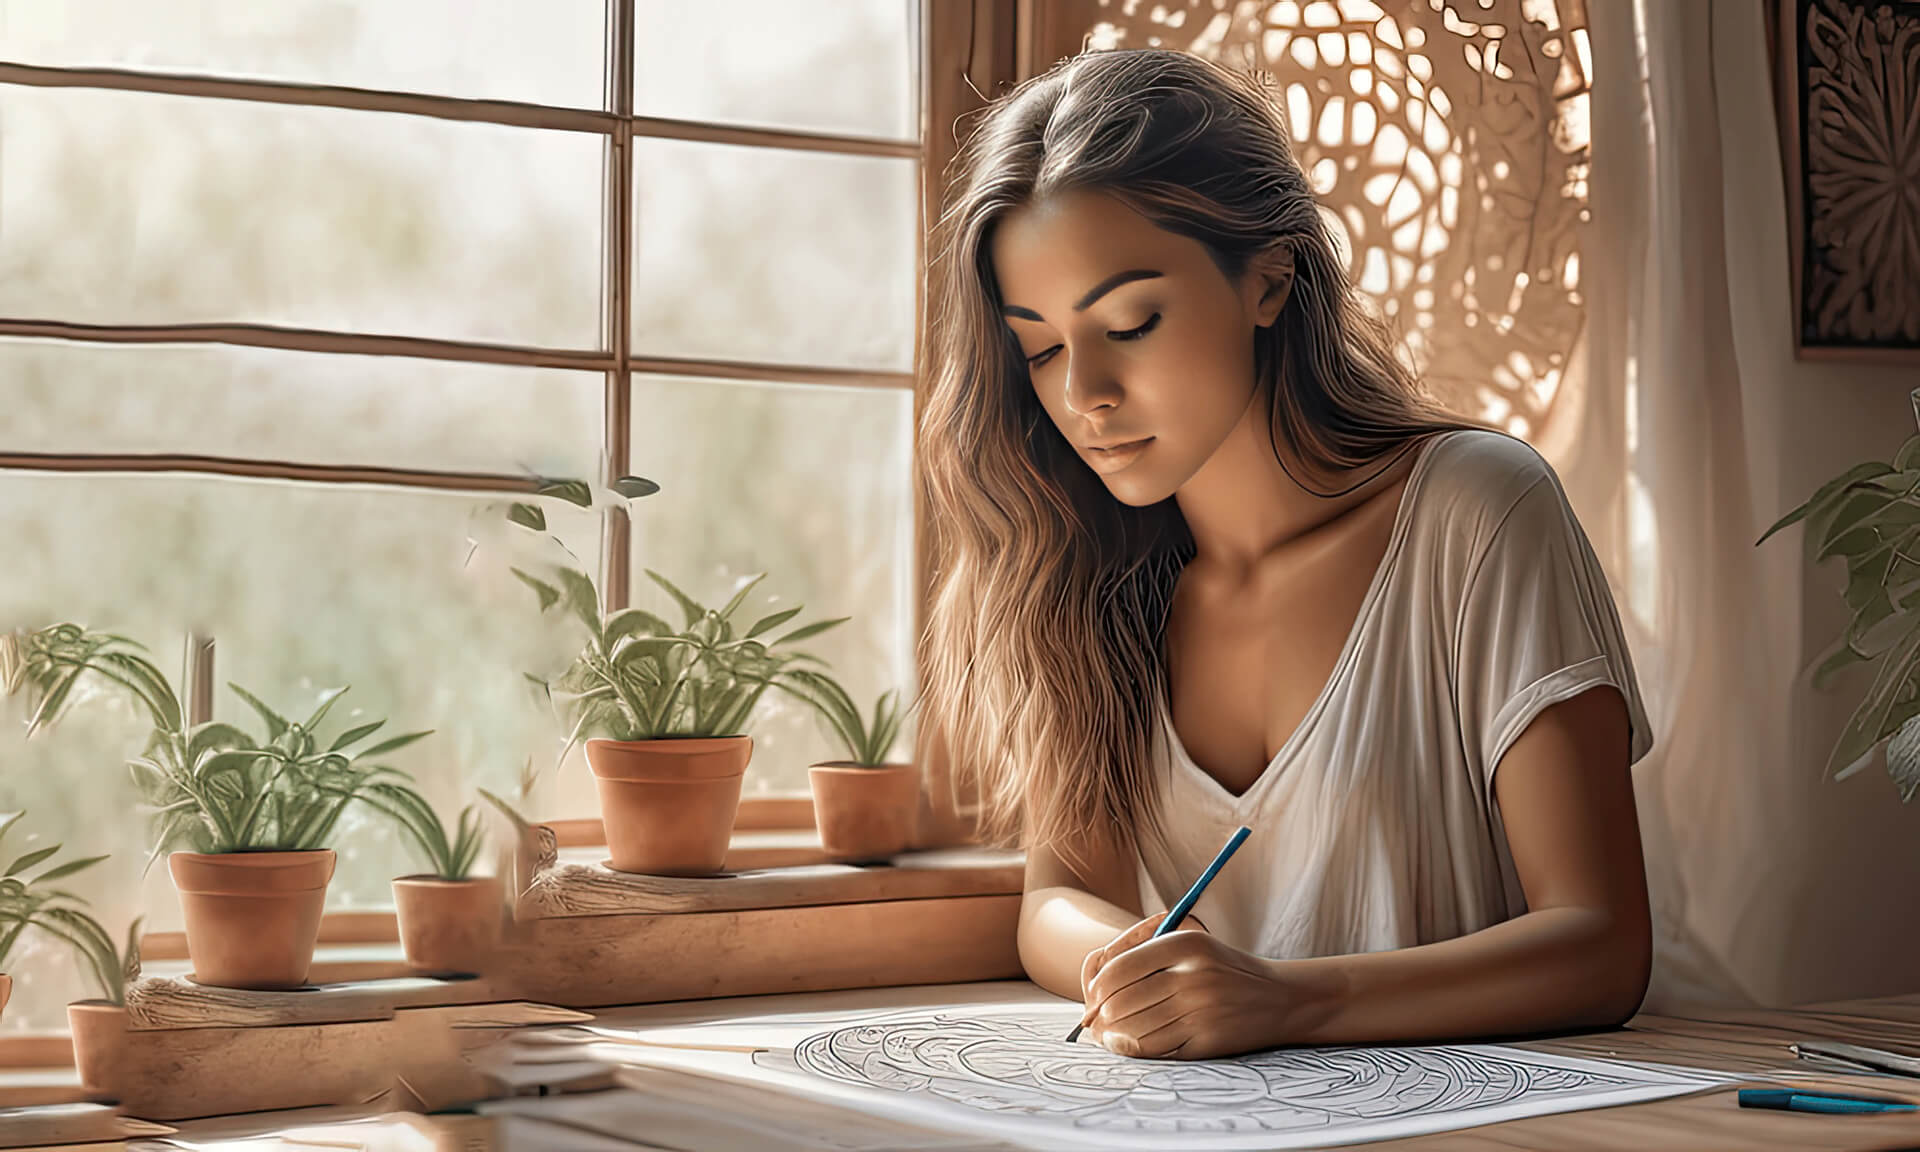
[1014, 1064]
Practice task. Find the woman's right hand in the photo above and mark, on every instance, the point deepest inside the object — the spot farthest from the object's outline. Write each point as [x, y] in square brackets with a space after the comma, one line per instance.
[1139, 933]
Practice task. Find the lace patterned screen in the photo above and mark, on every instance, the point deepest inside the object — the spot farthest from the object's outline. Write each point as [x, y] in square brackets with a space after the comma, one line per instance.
[1448, 139]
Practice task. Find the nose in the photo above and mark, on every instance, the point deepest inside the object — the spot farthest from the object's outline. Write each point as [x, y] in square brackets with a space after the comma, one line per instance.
[1091, 385]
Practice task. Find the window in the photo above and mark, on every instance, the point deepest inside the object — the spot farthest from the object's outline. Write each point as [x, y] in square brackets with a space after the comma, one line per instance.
[290, 292]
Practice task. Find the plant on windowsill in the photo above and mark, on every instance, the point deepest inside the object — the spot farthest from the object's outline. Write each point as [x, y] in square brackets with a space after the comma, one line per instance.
[449, 918]
[1870, 515]
[864, 805]
[663, 713]
[245, 824]
[29, 902]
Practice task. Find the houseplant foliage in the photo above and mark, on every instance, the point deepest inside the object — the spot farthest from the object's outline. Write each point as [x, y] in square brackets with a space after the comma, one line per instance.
[449, 918]
[663, 708]
[864, 806]
[1870, 517]
[246, 821]
[30, 901]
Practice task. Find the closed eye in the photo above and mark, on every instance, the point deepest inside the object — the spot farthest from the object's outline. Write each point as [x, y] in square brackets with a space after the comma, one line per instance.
[1039, 359]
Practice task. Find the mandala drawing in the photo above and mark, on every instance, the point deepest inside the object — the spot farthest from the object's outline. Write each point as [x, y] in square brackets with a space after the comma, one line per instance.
[1016, 1063]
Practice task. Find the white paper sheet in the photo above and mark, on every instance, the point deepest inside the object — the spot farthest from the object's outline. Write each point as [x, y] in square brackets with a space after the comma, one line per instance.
[1002, 1069]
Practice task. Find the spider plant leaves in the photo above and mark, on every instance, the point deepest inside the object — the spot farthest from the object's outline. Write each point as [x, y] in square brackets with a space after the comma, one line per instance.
[24, 862]
[276, 723]
[692, 610]
[808, 631]
[62, 871]
[396, 743]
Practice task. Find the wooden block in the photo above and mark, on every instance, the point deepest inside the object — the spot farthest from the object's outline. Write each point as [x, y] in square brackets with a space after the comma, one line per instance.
[569, 889]
[590, 961]
[67, 1124]
[215, 1070]
[36, 1050]
[159, 1003]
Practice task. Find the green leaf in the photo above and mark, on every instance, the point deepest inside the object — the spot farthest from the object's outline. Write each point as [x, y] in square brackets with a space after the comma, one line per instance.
[390, 745]
[813, 629]
[326, 703]
[67, 869]
[29, 860]
[635, 487]
[693, 611]
[1826, 491]
[740, 596]
[528, 516]
[573, 492]
[549, 595]
[773, 621]
[1879, 713]
[353, 735]
[1908, 457]
[276, 724]
[581, 599]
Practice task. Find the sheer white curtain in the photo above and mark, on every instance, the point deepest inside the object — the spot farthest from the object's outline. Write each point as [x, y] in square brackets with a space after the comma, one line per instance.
[1661, 474]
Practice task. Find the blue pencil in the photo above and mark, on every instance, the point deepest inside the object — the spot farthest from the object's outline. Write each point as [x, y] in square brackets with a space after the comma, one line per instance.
[1180, 910]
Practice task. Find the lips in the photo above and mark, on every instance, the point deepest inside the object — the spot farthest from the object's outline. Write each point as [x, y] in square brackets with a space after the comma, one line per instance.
[1117, 445]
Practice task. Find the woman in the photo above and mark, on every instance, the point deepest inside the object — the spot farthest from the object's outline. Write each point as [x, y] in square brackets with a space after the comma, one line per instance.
[1207, 556]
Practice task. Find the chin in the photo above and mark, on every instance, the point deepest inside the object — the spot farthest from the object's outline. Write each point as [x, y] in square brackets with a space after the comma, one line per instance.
[1135, 491]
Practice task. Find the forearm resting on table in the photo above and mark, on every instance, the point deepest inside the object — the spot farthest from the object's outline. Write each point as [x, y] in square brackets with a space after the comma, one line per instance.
[1059, 925]
[1550, 970]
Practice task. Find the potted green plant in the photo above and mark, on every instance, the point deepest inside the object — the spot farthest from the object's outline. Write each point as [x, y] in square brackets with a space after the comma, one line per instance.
[663, 713]
[245, 824]
[449, 918]
[863, 805]
[1870, 515]
[30, 901]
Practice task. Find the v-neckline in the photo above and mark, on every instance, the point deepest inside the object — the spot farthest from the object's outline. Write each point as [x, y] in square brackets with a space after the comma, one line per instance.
[1242, 800]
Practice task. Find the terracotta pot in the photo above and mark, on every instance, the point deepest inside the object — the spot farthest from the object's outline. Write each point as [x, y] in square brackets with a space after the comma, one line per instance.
[668, 805]
[6, 990]
[99, 1031]
[448, 927]
[252, 917]
[864, 813]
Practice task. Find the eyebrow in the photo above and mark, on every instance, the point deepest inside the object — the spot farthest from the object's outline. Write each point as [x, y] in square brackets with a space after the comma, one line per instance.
[1087, 301]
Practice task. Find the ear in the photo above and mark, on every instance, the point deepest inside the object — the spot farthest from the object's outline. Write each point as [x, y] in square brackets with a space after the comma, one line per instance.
[1269, 283]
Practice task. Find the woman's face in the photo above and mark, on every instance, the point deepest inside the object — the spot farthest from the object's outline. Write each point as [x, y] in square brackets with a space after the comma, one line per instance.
[1139, 348]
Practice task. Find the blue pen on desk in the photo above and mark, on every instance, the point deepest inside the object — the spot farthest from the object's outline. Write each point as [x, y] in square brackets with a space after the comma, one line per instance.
[1179, 911]
[1790, 1100]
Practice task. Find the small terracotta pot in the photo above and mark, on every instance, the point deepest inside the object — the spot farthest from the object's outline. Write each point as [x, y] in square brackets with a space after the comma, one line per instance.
[864, 813]
[99, 1031]
[669, 805]
[448, 927]
[6, 990]
[252, 917]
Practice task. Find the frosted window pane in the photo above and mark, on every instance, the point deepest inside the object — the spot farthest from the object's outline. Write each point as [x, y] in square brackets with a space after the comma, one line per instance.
[306, 407]
[132, 208]
[811, 485]
[546, 53]
[773, 255]
[850, 67]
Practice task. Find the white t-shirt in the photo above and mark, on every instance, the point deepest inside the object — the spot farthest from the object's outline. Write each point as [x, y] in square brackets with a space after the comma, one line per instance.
[1375, 826]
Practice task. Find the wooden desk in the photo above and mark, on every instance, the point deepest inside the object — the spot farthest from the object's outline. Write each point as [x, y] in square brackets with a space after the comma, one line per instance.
[1748, 1043]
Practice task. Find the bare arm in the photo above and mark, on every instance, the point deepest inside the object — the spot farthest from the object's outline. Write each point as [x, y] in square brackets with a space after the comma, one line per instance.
[1580, 956]
[1578, 959]
[1064, 916]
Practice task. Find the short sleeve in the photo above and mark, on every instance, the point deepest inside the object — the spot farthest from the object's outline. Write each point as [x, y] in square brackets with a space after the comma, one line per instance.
[1537, 625]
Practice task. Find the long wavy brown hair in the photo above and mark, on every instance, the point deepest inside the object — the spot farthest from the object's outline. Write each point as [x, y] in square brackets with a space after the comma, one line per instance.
[1043, 649]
